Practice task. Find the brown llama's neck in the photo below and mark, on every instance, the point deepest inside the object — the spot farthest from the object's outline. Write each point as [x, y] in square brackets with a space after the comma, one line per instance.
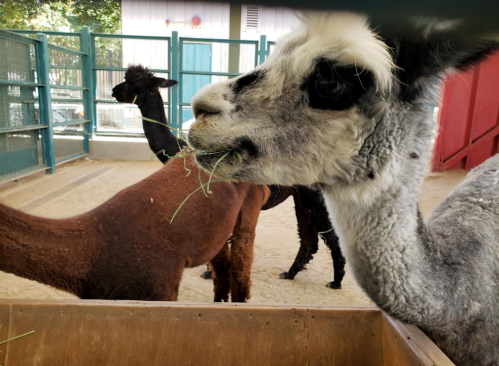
[161, 139]
[55, 252]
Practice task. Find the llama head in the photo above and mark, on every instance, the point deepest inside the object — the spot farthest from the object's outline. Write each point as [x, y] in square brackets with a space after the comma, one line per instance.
[139, 82]
[334, 104]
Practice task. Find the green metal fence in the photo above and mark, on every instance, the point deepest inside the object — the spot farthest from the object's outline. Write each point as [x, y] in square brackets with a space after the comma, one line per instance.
[53, 98]
[68, 89]
[20, 125]
[205, 61]
[42, 120]
[111, 55]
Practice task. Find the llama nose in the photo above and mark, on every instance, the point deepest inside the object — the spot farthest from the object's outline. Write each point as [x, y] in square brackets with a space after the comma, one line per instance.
[203, 106]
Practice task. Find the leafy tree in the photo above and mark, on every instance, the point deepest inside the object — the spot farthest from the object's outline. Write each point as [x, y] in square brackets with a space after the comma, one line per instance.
[102, 16]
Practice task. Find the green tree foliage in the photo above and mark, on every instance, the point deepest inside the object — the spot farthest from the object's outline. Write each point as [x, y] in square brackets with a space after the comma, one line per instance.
[102, 16]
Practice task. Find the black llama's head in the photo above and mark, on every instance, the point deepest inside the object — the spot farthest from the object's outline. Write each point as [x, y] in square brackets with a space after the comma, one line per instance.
[139, 82]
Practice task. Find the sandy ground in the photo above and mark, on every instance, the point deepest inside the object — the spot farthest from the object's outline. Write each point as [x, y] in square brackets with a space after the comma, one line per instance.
[81, 185]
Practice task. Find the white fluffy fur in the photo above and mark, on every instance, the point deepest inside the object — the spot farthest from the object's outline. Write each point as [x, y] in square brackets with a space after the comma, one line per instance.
[342, 36]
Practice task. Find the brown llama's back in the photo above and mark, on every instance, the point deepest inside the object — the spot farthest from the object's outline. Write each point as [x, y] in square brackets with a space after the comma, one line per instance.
[126, 248]
[55, 252]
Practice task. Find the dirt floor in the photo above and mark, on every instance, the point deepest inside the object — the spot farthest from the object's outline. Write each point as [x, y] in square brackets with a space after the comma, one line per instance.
[81, 185]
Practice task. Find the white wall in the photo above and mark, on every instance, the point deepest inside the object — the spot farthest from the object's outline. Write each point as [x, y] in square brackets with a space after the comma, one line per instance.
[274, 23]
[148, 17]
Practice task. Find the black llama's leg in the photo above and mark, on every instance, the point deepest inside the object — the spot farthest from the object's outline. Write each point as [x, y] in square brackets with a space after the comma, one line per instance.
[326, 232]
[221, 273]
[308, 236]
[313, 221]
[333, 243]
[207, 275]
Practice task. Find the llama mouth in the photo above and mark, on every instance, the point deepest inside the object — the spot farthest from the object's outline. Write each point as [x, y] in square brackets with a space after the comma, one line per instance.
[226, 159]
[117, 97]
[226, 156]
[223, 164]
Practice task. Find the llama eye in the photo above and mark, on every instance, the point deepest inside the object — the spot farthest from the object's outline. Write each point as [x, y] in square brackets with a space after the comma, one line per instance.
[329, 88]
[332, 86]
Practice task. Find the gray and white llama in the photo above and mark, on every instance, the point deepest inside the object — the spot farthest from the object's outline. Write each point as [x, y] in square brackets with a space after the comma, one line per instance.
[339, 107]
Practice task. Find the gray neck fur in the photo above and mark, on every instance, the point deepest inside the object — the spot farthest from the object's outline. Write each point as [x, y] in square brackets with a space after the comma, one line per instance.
[443, 275]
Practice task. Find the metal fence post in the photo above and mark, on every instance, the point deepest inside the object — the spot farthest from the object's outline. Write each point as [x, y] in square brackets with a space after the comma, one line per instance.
[262, 49]
[175, 75]
[89, 93]
[45, 101]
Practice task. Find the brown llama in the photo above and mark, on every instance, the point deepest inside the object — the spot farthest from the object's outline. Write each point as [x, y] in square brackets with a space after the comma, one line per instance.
[141, 87]
[127, 248]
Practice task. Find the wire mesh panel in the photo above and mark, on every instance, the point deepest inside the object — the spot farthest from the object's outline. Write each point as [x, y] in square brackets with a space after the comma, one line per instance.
[20, 152]
[71, 41]
[68, 112]
[207, 61]
[105, 81]
[17, 67]
[121, 51]
[17, 59]
[65, 68]
[62, 39]
[112, 55]
[68, 141]
[20, 145]
[118, 118]
[18, 107]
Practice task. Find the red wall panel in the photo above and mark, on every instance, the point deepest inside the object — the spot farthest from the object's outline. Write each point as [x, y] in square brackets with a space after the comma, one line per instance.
[469, 118]
[459, 89]
[486, 110]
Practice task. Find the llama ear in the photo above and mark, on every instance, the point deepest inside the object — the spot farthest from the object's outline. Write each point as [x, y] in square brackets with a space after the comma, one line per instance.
[163, 83]
[434, 52]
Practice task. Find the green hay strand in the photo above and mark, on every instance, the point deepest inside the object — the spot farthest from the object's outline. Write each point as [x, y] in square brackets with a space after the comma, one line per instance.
[16, 337]
[189, 196]
[213, 171]
[201, 183]
[324, 232]
[210, 179]
[189, 171]
[239, 156]
[161, 123]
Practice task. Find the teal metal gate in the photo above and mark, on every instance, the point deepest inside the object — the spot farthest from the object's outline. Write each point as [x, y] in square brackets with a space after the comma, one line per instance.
[196, 57]
[20, 127]
[111, 54]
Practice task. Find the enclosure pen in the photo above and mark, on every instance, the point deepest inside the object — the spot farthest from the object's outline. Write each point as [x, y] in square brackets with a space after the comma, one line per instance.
[42, 115]
[125, 258]
[75, 78]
